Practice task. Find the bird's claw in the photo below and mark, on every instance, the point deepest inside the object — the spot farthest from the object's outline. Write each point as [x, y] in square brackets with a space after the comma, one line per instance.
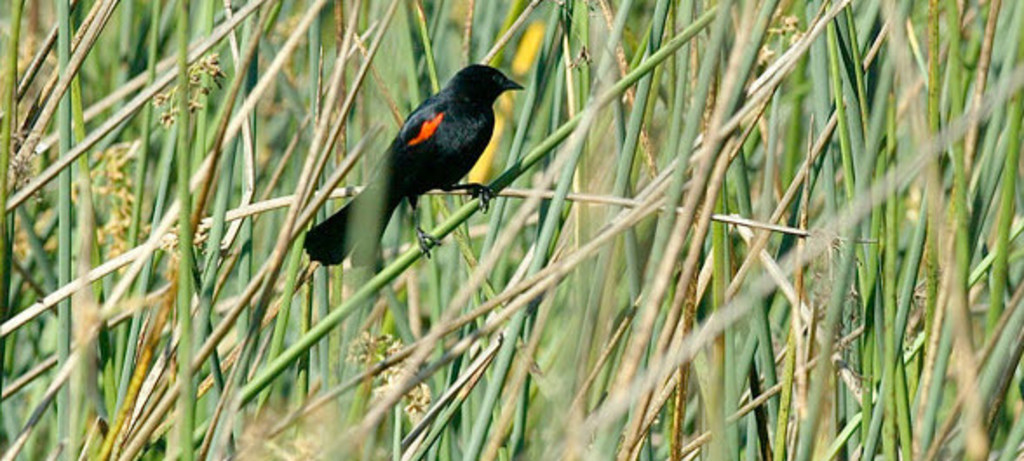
[426, 241]
[482, 192]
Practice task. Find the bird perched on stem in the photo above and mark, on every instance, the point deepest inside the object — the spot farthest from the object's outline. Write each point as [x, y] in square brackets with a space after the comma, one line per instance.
[437, 145]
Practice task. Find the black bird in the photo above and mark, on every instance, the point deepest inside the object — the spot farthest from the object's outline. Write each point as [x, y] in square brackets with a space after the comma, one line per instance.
[437, 145]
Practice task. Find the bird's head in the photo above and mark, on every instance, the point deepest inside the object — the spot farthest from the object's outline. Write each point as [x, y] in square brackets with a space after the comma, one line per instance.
[480, 83]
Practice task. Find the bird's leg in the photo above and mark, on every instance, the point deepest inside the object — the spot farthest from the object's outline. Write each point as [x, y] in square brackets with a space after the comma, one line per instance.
[476, 190]
[425, 240]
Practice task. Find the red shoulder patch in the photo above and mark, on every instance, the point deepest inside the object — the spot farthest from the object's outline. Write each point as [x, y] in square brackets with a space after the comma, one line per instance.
[427, 129]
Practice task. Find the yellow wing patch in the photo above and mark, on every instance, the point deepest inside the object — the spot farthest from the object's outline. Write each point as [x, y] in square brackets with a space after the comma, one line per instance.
[427, 129]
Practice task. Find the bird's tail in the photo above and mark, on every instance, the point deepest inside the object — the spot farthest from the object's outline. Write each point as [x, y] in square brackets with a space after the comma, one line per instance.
[331, 241]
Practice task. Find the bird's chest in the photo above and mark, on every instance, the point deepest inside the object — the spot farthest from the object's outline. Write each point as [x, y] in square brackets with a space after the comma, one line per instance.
[464, 137]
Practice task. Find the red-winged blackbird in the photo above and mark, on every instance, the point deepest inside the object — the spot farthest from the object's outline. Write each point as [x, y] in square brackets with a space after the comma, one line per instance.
[437, 145]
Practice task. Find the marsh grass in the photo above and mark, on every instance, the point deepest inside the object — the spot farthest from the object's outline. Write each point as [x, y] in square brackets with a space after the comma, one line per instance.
[734, 229]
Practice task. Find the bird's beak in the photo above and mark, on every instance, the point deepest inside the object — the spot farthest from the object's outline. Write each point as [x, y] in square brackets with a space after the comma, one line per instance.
[510, 85]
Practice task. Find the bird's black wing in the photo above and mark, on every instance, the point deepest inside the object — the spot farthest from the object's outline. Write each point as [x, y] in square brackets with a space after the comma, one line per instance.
[422, 123]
